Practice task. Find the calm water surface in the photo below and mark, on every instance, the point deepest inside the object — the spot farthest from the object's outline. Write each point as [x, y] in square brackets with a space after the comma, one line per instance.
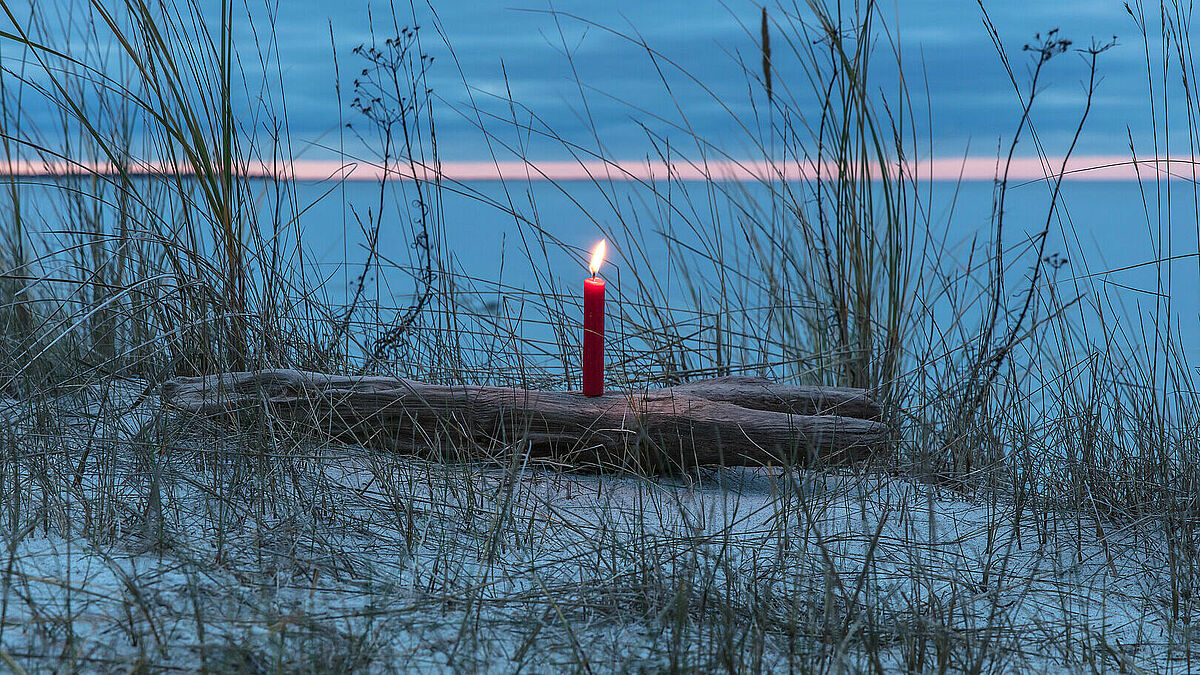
[1106, 232]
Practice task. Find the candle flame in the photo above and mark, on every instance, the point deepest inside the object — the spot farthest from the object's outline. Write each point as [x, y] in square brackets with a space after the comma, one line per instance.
[597, 257]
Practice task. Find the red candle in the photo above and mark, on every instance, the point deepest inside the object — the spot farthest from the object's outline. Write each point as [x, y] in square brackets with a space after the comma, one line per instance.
[593, 327]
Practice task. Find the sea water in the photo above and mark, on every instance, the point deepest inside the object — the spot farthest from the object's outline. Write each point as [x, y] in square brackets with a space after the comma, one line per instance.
[530, 239]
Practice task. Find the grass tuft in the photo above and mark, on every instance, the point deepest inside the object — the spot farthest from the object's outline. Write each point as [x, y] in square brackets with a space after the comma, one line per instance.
[1039, 511]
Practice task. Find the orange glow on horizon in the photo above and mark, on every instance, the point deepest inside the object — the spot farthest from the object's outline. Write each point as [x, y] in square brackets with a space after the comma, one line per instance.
[1080, 168]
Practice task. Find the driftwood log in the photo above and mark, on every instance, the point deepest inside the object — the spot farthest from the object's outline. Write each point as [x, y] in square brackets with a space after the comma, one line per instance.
[726, 421]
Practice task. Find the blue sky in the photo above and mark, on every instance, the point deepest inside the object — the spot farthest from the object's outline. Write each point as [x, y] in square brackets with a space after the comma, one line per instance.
[953, 71]
[947, 52]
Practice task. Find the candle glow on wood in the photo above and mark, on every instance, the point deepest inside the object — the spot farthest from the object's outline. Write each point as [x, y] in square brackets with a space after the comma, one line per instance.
[593, 326]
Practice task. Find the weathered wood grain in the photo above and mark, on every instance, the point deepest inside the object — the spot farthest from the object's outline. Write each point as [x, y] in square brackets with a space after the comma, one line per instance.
[728, 421]
[763, 394]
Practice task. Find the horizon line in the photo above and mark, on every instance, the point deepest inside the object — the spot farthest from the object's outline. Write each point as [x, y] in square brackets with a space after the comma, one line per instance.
[1094, 168]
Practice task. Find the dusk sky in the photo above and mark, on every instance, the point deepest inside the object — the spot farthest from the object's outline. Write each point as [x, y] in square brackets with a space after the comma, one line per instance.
[959, 89]
[945, 43]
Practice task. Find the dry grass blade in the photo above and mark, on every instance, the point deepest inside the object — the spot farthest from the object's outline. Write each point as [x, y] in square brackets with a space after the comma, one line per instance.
[1036, 505]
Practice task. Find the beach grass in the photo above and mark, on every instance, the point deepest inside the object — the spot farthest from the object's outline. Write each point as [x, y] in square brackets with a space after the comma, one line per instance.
[1037, 512]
